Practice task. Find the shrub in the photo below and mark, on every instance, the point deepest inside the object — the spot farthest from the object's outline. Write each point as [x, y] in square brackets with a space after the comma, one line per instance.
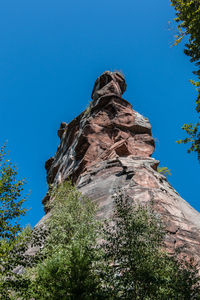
[67, 266]
[136, 264]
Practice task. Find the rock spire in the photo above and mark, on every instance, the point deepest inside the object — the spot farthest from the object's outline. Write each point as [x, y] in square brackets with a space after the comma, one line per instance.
[109, 146]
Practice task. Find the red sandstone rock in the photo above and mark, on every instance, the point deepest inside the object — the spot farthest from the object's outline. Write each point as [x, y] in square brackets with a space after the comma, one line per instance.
[109, 146]
[109, 83]
[109, 130]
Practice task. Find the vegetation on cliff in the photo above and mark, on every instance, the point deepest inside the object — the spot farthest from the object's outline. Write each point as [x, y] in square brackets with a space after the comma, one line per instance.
[136, 264]
[67, 261]
[123, 258]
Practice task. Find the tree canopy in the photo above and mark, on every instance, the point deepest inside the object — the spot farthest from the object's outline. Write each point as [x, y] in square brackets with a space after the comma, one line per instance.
[137, 266]
[11, 199]
[12, 244]
[188, 20]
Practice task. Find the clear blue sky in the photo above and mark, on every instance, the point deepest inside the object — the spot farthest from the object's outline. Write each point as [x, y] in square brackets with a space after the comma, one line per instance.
[51, 52]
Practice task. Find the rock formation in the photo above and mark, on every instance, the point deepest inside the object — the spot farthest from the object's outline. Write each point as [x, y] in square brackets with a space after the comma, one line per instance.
[109, 146]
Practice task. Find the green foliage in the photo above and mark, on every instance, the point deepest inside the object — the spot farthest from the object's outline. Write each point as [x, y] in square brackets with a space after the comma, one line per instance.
[136, 266]
[164, 171]
[193, 132]
[13, 257]
[82, 259]
[66, 269]
[12, 244]
[11, 200]
[188, 19]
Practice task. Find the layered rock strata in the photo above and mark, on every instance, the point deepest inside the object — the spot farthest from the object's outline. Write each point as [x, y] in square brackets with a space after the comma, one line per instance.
[109, 146]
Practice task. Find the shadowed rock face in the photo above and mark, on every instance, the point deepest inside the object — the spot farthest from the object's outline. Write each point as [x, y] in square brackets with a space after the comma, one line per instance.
[109, 146]
[109, 83]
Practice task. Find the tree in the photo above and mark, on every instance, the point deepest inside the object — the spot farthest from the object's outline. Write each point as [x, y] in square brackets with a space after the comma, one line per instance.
[188, 19]
[164, 171]
[11, 199]
[66, 268]
[12, 245]
[136, 264]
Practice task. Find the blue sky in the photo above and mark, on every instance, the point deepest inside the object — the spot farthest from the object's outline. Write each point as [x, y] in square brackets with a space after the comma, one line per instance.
[50, 55]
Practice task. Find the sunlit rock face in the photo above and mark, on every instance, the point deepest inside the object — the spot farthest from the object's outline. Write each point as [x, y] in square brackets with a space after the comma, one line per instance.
[109, 146]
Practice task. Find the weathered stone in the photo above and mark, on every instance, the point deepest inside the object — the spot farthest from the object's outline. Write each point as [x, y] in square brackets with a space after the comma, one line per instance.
[109, 146]
[109, 130]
